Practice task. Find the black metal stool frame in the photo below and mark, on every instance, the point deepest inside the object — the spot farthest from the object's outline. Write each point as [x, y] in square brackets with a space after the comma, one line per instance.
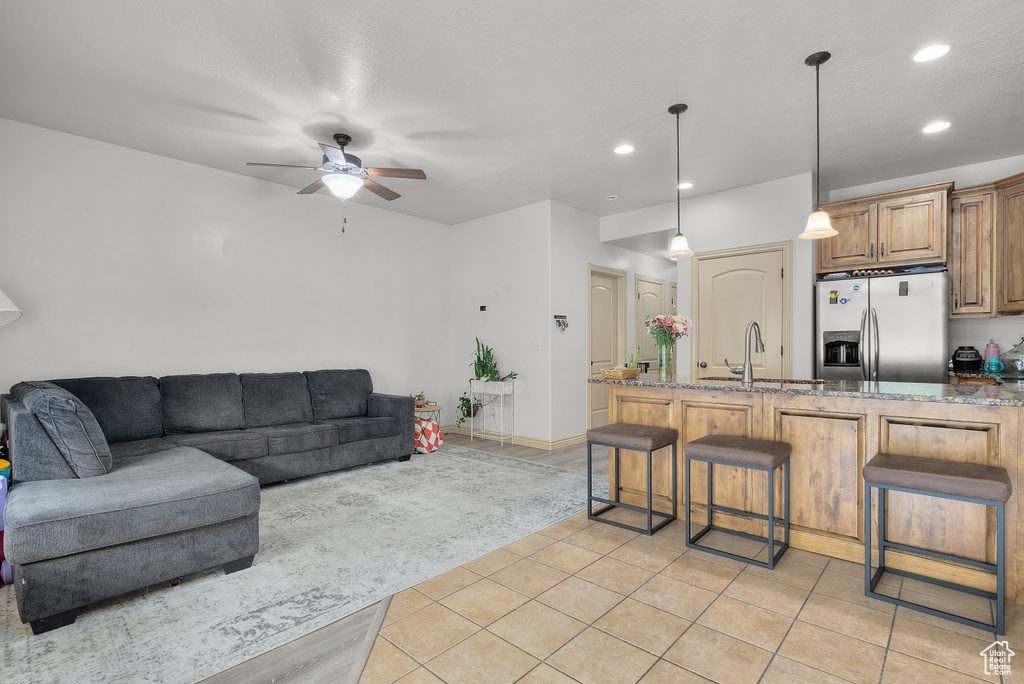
[871, 579]
[773, 555]
[592, 515]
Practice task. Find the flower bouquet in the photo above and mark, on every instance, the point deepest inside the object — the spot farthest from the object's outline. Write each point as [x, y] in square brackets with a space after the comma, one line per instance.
[666, 329]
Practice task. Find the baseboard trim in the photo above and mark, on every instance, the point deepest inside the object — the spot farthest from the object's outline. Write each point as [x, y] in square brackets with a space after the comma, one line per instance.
[544, 444]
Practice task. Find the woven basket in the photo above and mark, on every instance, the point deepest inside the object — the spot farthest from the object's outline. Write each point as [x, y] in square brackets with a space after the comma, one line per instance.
[620, 373]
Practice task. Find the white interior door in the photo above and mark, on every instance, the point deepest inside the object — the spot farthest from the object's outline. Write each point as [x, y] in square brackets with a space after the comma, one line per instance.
[605, 336]
[732, 291]
[650, 302]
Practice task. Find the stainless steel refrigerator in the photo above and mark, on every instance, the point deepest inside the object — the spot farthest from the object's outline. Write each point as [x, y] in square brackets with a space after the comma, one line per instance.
[884, 328]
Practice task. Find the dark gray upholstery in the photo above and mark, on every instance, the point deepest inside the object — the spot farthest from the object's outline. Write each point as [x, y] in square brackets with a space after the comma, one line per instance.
[59, 584]
[69, 423]
[33, 455]
[289, 466]
[166, 492]
[127, 409]
[275, 399]
[201, 403]
[229, 445]
[123, 450]
[358, 429]
[339, 393]
[285, 439]
[400, 408]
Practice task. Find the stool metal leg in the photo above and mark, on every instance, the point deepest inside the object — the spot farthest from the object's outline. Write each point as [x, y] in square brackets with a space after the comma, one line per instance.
[771, 519]
[1000, 569]
[649, 487]
[613, 500]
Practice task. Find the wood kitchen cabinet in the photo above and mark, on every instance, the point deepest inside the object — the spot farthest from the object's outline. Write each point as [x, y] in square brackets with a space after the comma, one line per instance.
[893, 229]
[971, 232]
[1009, 245]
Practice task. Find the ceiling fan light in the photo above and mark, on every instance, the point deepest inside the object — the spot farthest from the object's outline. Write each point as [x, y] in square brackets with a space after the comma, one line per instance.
[818, 227]
[342, 184]
[679, 248]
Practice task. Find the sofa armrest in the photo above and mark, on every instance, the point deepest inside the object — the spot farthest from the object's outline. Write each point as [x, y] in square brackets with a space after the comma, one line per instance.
[382, 405]
[33, 455]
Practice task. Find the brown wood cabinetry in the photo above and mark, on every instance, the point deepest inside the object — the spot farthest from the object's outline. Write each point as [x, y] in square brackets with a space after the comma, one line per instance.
[1010, 244]
[833, 436]
[971, 292]
[892, 229]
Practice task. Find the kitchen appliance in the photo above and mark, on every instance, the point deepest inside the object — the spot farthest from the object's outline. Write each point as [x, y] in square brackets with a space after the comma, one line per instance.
[889, 327]
[966, 360]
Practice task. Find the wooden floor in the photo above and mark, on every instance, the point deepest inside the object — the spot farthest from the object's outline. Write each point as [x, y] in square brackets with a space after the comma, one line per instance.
[336, 653]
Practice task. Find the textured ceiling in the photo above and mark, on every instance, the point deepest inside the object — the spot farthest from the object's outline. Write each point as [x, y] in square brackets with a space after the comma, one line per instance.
[508, 103]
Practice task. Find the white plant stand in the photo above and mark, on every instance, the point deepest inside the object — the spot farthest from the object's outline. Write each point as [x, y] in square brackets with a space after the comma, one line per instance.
[501, 404]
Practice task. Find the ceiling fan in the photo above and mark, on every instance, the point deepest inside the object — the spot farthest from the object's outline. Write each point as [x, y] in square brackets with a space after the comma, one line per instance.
[345, 172]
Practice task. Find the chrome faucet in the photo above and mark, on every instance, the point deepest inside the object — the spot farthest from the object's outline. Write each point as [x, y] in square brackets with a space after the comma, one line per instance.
[746, 370]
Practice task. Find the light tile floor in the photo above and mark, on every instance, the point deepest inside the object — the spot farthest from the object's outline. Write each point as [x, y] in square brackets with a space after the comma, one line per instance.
[586, 602]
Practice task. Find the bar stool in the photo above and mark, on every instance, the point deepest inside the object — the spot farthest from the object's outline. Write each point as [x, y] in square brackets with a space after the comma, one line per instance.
[635, 438]
[974, 483]
[742, 452]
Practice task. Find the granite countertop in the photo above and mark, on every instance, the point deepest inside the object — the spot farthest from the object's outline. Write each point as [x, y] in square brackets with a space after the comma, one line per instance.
[1007, 394]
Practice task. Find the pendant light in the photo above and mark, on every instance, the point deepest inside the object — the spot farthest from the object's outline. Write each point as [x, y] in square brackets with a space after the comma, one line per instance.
[679, 248]
[818, 224]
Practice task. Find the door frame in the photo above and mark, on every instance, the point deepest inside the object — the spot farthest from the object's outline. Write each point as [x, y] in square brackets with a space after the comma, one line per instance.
[620, 277]
[638, 324]
[787, 296]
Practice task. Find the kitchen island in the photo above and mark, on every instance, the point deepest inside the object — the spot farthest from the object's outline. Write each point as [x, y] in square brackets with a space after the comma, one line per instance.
[835, 428]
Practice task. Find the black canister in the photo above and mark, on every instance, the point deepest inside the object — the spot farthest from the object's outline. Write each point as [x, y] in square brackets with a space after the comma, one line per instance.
[967, 360]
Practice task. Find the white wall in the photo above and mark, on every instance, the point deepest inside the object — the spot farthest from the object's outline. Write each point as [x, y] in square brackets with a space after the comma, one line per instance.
[129, 263]
[503, 262]
[1007, 330]
[775, 211]
[575, 243]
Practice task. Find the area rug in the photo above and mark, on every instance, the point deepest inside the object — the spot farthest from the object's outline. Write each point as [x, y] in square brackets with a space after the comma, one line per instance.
[329, 546]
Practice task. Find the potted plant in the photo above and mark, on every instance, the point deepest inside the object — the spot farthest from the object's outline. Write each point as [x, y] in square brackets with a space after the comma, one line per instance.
[420, 399]
[467, 409]
[488, 378]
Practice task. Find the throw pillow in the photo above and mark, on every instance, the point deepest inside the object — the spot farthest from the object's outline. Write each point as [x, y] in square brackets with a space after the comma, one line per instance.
[70, 425]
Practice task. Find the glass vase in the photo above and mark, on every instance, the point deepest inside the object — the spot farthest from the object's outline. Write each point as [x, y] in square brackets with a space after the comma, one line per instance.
[666, 369]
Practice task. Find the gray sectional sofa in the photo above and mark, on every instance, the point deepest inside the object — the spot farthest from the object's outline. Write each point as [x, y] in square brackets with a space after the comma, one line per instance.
[121, 483]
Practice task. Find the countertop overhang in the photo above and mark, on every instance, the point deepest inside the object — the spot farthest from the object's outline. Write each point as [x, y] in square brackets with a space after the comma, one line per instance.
[1007, 394]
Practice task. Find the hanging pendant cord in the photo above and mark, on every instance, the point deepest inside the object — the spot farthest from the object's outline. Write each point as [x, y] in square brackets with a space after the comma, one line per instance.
[817, 135]
[679, 220]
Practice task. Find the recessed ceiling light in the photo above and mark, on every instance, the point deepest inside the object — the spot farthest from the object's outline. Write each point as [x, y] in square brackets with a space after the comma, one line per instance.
[935, 127]
[685, 186]
[623, 149]
[931, 52]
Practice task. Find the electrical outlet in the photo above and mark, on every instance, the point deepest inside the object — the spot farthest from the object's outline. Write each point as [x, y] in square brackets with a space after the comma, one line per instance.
[536, 345]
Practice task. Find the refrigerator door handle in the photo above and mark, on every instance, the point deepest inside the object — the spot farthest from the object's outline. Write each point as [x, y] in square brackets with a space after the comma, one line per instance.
[864, 345]
[874, 345]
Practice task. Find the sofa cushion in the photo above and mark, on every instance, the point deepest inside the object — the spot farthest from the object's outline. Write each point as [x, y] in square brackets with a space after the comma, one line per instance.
[275, 399]
[356, 429]
[166, 492]
[201, 403]
[69, 423]
[339, 393]
[127, 409]
[228, 445]
[139, 447]
[289, 439]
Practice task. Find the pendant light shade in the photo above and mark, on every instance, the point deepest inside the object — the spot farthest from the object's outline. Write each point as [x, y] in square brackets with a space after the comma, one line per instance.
[342, 184]
[9, 311]
[818, 224]
[679, 248]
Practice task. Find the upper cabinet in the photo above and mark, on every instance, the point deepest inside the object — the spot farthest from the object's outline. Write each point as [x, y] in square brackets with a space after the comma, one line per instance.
[971, 292]
[894, 229]
[1010, 244]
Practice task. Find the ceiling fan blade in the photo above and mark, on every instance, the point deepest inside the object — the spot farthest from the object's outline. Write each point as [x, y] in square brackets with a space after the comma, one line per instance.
[416, 174]
[284, 166]
[379, 190]
[334, 154]
[311, 188]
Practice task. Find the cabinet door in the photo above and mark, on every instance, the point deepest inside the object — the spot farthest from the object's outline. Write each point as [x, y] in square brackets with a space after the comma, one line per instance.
[1010, 245]
[855, 245]
[970, 254]
[911, 229]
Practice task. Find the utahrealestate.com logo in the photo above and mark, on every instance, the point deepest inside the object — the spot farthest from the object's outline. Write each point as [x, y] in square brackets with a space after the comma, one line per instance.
[997, 658]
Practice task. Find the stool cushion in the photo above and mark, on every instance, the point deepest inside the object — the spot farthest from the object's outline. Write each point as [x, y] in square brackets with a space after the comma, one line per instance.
[971, 480]
[629, 436]
[760, 453]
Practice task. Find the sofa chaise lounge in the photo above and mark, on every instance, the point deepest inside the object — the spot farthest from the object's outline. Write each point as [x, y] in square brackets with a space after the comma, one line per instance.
[119, 483]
